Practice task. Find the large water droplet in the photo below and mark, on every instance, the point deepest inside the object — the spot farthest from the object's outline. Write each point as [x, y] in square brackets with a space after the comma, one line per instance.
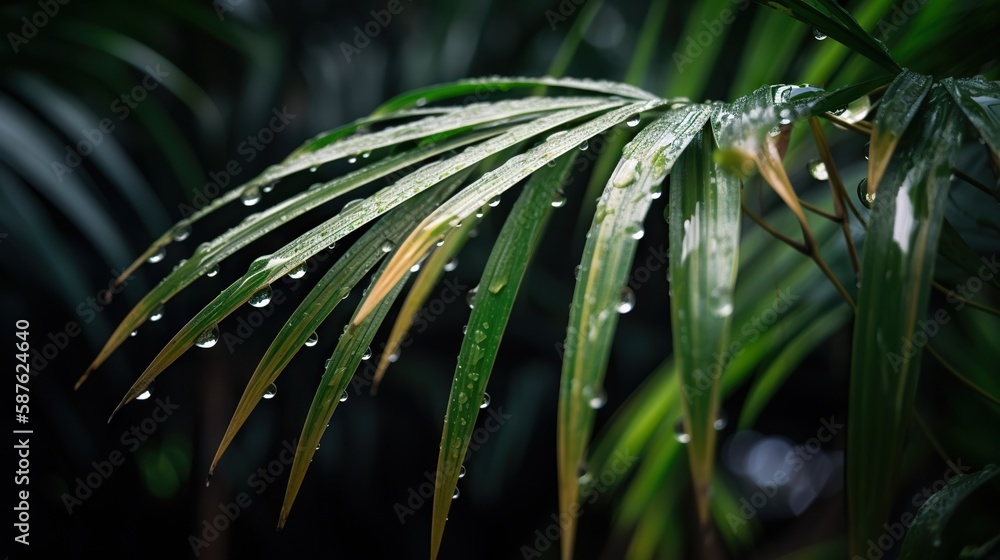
[721, 420]
[486, 400]
[388, 246]
[313, 339]
[679, 433]
[818, 170]
[182, 232]
[298, 271]
[558, 199]
[627, 300]
[635, 232]
[271, 391]
[599, 399]
[656, 191]
[261, 298]
[250, 196]
[451, 265]
[157, 314]
[147, 393]
[208, 338]
[866, 199]
[494, 202]
[633, 121]
[470, 297]
[818, 35]
[158, 256]
[855, 110]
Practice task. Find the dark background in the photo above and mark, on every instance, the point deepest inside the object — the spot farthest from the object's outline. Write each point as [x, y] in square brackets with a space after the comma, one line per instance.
[230, 65]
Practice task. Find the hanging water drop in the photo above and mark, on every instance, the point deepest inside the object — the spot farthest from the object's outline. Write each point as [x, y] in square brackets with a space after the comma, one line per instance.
[627, 301]
[864, 196]
[271, 391]
[818, 170]
[470, 297]
[584, 145]
[268, 187]
[421, 102]
[415, 268]
[818, 35]
[135, 332]
[214, 271]
[451, 265]
[182, 232]
[148, 392]
[352, 159]
[461, 472]
[343, 397]
[866, 149]
[656, 191]
[366, 155]
[367, 354]
[332, 246]
[313, 339]
[855, 110]
[558, 199]
[635, 232]
[208, 338]
[157, 314]
[494, 202]
[633, 121]
[465, 329]
[298, 271]
[599, 399]
[388, 246]
[250, 196]
[314, 169]
[158, 256]
[454, 495]
[262, 297]
[721, 301]
[679, 433]
[486, 400]
[721, 420]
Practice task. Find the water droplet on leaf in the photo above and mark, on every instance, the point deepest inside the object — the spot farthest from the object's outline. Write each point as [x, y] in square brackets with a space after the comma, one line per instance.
[313, 339]
[261, 298]
[627, 301]
[271, 391]
[208, 338]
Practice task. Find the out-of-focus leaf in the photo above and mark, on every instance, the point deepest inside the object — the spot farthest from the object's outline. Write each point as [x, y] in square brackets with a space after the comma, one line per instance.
[898, 107]
[923, 538]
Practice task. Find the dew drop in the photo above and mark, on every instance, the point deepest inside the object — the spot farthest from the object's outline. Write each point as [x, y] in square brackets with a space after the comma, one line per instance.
[352, 159]
[208, 338]
[421, 102]
[866, 149]
[146, 393]
[818, 35]
[158, 256]
[465, 329]
[268, 187]
[774, 132]
[332, 246]
[855, 110]
[470, 297]
[656, 192]
[250, 196]
[313, 339]
[415, 268]
[388, 246]
[633, 121]
[494, 202]
[863, 195]
[576, 272]
[366, 155]
[627, 301]
[214, 271]
[394, 357]
[368, 354]
[451, 265]
[182, 232]
[271, 391]
[455, 494]
[298, 272]
[558, 199]
[721, 420]
[584, 145]
[599, 399]
[679, 433]
[314, 169]
[817, 168]
[135, 332]
[261, 298]
[486, 400]
[343, 397]
[721, 301]
[157, 314]
[461, 472]
[635, 232]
